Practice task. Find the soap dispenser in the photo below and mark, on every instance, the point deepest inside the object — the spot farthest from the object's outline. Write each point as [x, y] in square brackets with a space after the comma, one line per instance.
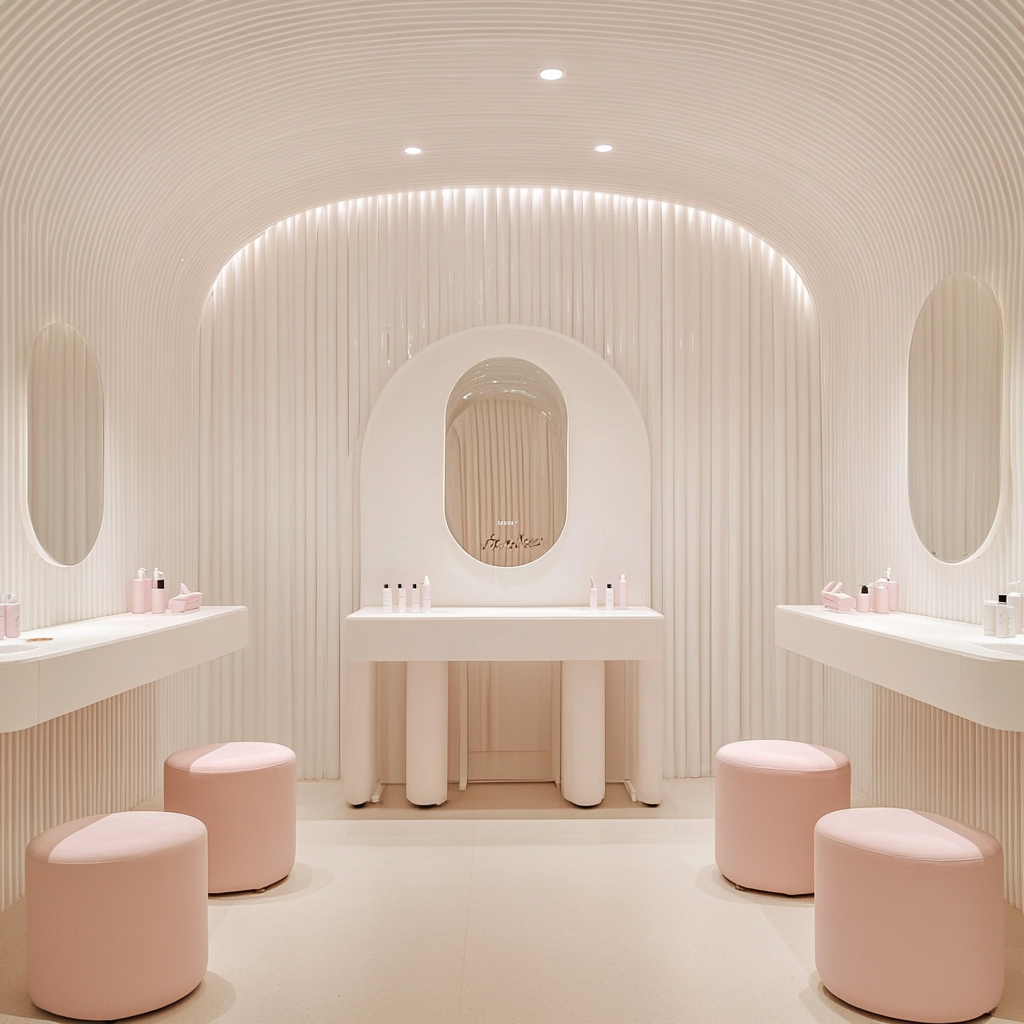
[894, 590]
[142, 592]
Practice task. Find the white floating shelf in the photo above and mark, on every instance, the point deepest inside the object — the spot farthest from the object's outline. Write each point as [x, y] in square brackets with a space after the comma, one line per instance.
[505, 634]
[90, 660]
[950, 665]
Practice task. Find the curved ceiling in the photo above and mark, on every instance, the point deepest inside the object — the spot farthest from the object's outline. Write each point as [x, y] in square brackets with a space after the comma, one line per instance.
[147, 142]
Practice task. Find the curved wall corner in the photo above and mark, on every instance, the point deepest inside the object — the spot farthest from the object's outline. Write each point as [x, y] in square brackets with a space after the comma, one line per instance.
[403, 533]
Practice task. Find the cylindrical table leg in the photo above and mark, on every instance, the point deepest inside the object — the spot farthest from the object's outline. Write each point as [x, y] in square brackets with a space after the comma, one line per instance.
[583, 732]
[426, 732]
[650, 731]
[359, 739]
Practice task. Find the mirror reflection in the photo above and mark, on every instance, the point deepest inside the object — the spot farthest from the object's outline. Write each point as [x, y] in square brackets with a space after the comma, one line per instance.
[505, 462]
[955, 388]
[65, 444]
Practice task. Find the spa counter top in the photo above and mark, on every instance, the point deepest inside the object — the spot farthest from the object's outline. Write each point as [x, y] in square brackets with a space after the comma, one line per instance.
[948, 664]
[84, 662]
[505, 634]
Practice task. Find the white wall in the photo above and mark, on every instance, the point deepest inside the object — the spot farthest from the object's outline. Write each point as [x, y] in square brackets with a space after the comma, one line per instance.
[711, 330]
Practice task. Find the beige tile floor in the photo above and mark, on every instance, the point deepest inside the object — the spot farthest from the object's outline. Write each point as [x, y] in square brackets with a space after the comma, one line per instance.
[505, 906]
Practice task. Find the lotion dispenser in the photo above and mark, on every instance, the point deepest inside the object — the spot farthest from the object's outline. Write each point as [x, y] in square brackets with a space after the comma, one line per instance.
[426, 593]
[142, 592]
[623, 592]
[593, 593]
[894, 590]
[12, 616]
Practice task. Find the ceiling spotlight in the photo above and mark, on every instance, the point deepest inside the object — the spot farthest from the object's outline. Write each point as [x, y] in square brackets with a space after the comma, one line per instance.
[552, 74]
[603, 148]
[413, 150]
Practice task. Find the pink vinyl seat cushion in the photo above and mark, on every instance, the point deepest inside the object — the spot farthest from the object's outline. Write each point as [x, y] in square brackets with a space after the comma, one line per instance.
[908, 914]
[768, 796]
[245, 795]
[117, 913]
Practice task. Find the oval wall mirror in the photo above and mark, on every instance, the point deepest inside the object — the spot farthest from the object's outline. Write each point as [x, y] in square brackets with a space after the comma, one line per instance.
[65, 444]
[955, 399]
[505, 464]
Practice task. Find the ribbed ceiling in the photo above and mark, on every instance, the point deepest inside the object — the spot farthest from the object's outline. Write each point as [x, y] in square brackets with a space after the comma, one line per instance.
[848, 134]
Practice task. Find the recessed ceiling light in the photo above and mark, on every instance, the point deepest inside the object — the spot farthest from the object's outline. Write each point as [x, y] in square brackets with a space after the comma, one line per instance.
[603, 148]
[413, 150]
[552, 74]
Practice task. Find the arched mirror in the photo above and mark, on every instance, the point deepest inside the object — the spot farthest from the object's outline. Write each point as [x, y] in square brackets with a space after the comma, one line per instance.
[65, 444]
[505, 462]
[955, 399]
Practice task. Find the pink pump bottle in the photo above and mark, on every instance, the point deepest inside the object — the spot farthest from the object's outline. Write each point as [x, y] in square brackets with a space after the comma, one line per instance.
[142, 590]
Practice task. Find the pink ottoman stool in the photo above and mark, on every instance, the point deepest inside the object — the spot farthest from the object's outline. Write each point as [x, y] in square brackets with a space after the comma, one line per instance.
[908, 913]
[245, 795]
[116, 914]
[768, 795]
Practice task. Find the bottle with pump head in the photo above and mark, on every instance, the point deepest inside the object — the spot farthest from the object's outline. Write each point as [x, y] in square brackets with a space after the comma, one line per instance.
[142, 593]
[623, 594]
[158, 594]
[609, 598]
[12, 616]
[894, 590]
[426, 593]
[880, 597]
[593, 593]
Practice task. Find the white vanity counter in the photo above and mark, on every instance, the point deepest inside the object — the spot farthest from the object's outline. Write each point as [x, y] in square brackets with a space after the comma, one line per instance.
[948, 664]
[88, 661]
[505, 634]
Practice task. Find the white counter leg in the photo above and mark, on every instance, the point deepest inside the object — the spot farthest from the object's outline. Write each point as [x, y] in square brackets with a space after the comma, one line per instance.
[426, 732]
[359, 739]
[583, 732]
[650, 731]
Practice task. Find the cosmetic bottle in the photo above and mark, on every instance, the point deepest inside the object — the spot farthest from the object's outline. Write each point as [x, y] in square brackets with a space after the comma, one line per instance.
[593, 593]
[988, 617]
[880, 597]
[415, 598]
[386, 603]
[1004, 618]
[894, 590]
[623, 594]
[1016, 600]
[142, 592]
[401, 598]
[426, 593]
[864, 599]
[609, 598]
[12, 616]
[158, 595]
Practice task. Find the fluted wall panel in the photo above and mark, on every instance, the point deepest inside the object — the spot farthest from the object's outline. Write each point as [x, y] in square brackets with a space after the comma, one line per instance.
[878, 146]
[713, 332]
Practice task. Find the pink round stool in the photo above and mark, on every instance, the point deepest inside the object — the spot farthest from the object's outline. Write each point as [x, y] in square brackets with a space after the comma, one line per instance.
[768, 795]
[908, 914]
[117, 918]
[245, 795]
